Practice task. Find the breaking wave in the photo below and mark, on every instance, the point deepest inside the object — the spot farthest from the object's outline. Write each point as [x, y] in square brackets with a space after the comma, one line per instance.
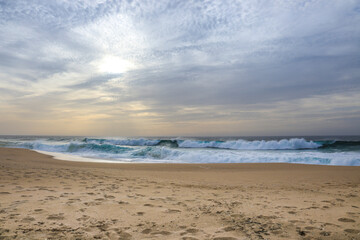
[295, 143]
[283, 144]
[176, 150]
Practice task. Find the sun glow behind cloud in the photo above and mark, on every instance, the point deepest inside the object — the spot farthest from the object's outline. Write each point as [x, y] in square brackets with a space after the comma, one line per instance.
[114, 65]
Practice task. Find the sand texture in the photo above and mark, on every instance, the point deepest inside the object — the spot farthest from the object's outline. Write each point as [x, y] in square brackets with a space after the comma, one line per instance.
[43, 198]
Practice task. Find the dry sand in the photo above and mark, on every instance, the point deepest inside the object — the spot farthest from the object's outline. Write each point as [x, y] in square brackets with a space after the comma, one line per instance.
[43, 198]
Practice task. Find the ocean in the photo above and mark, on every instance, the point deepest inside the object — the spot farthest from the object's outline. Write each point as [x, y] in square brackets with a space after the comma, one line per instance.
[322, 150]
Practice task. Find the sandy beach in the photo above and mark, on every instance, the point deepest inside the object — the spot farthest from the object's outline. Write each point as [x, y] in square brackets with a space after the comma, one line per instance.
[44, 198]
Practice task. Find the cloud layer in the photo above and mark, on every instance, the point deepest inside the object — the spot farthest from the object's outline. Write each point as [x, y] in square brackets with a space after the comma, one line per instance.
[180, 67]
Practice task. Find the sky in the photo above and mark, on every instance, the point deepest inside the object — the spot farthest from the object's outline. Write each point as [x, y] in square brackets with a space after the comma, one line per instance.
[180, 68]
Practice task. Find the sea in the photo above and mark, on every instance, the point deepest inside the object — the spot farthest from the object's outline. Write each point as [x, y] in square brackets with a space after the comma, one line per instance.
[321, 150]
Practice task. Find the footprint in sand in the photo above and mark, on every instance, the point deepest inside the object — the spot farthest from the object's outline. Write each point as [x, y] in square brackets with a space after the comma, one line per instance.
[352, 231]
[225, 238]
[109, 196]
[173, 211]
[28, 219]
[229, 229]
[352, 213]
[324, 233]
[146, 231]
[59, 216]
[13, 215]
[83, 218]
[165, 233]
[351, 195]
[26, 196]
[82, 209]
[192, 230]
[125, 236]
[346, 220]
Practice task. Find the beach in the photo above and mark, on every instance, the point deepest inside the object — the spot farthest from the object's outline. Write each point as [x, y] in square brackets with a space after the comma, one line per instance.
[45, 198]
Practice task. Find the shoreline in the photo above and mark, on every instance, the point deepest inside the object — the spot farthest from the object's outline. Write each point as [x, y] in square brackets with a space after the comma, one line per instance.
[175, 201]
[75, 158]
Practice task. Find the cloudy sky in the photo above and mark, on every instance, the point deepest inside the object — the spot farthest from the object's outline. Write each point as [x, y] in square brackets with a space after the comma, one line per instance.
[151, 68]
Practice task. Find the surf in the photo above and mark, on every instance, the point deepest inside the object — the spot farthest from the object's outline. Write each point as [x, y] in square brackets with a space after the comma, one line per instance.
[197, 150]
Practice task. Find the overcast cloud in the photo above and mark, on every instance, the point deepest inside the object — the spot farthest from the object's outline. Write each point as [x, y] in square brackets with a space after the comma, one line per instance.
[180, 67]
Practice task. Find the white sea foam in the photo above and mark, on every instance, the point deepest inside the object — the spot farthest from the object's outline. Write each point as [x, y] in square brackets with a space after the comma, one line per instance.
[164, 154]
[295, 143]
[125, 142]
[231, 156]
[46, 146]
[295, 150]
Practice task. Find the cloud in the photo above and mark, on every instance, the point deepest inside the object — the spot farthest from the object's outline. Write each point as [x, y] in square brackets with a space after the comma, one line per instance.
[192, 63]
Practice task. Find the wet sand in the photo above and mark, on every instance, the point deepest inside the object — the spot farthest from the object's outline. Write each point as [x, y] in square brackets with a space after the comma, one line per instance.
[44, 198]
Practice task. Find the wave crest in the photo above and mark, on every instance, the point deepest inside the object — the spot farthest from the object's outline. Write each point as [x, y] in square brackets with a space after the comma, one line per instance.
[75, 147]
[284, 144]
[125, 142]
[295, 150]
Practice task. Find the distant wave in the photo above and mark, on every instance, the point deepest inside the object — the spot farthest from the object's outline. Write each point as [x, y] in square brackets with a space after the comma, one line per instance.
[341, 145]
[283, 144]
[126, 142]
[295, 143]
[105, 144]
[74, 147]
